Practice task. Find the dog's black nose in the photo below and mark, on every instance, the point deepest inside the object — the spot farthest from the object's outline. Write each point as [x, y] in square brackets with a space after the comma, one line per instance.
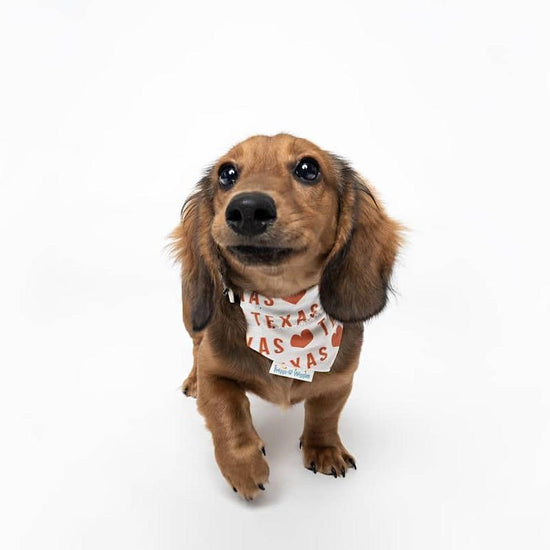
[250, 213]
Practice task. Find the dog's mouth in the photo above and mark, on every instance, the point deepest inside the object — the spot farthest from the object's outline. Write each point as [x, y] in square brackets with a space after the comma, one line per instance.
[260, 254]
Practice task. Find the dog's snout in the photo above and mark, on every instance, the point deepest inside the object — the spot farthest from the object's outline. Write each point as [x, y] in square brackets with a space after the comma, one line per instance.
[250, 213]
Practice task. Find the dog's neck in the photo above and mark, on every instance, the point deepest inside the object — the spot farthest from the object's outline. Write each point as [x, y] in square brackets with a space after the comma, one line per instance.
[280, 286]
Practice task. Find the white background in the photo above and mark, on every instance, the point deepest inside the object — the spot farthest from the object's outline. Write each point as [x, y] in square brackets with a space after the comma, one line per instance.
[110, 110]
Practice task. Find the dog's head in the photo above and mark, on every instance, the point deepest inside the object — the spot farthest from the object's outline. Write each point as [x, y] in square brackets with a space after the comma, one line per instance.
[278, 215]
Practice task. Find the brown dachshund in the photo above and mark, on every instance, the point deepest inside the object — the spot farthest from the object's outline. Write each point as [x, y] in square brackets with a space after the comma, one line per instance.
[274, 222]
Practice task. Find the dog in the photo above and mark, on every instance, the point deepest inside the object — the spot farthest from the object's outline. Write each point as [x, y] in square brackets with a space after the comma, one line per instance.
[285, 251]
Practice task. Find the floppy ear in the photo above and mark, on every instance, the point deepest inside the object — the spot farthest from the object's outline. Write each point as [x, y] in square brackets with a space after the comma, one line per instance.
[355, 281]
[193, 248]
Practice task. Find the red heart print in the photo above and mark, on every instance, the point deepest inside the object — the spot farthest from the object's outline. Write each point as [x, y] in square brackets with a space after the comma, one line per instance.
[301, 340]
[295, 298]
[337, 336]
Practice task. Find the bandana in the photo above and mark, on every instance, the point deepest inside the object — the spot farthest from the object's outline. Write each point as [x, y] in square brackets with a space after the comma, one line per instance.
[295, 332]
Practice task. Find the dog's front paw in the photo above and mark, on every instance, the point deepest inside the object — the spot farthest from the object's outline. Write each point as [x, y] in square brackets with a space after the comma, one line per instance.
[189, 386]
[333, 460]
[244, 468]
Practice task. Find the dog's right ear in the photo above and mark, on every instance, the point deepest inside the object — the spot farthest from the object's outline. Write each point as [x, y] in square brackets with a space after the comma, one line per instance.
[192, 248]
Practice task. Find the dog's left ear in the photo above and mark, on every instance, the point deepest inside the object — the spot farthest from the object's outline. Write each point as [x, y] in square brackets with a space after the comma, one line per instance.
[354, 284]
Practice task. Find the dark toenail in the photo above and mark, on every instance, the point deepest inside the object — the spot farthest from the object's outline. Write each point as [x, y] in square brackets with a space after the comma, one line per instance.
[263, 451]
[235, 489]
[334, 472]
[261, 486]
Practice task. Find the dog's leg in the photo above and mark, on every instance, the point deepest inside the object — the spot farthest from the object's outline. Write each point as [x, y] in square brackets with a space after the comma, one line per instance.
[189, 386]
[321, 446]
[238, 448]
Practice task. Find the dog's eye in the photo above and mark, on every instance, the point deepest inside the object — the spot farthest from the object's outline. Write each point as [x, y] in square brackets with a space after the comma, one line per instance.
[307, 170]
[227, 175]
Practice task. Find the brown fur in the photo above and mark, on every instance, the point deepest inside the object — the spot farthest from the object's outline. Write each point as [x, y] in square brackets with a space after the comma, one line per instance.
[345, 242]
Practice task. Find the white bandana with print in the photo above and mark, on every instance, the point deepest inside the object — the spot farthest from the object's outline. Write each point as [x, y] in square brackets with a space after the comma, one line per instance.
[295, 332]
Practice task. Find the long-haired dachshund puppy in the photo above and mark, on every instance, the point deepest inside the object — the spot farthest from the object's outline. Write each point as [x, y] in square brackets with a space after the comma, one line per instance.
[284, 252]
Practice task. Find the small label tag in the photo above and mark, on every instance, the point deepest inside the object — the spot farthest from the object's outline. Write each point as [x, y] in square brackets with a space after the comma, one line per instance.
[281, 369]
